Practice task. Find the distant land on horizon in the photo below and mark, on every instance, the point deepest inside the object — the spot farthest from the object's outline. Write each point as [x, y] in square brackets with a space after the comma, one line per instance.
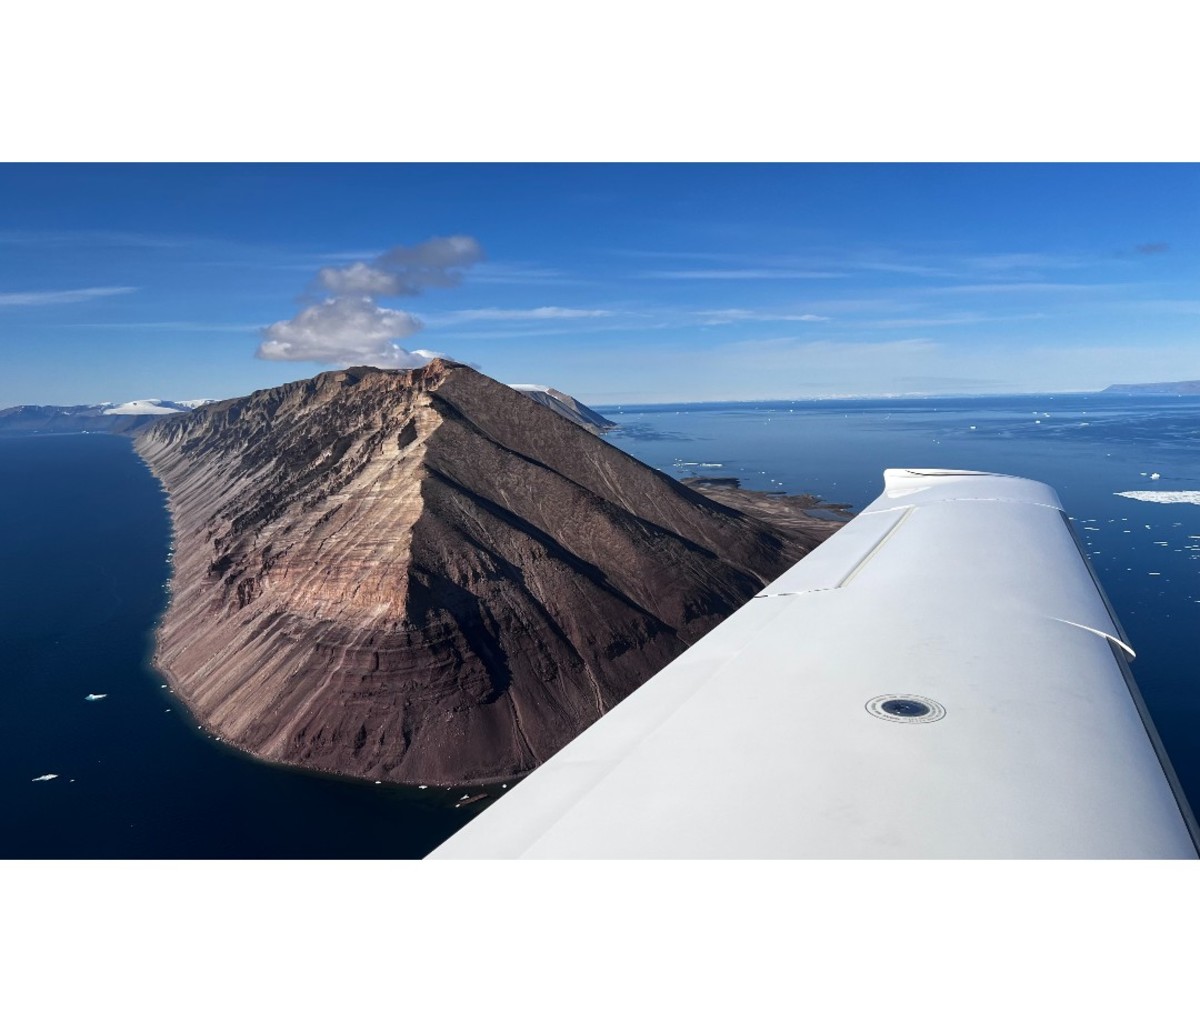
[128, 417]
[1178, 388]
[123, 418]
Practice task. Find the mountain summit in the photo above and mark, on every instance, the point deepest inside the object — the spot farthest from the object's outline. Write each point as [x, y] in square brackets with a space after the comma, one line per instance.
[423, 576]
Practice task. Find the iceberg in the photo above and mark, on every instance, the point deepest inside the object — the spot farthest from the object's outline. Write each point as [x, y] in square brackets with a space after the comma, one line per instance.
[1163, 496]
[95, 697]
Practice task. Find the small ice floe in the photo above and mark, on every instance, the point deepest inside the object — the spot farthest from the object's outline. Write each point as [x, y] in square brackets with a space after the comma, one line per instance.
[1155, 475]
[971, 427]
[45, 777]
[422, 786]
[1163, 496]
[379, 782]
[95, 697]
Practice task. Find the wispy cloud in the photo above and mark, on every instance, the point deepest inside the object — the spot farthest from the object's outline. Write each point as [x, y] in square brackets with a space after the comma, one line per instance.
[518, 273]
[80, 294]
[849, 347]
[1007, 262]
[189, 326]
[1152, 248]
[1032, 287]
[950, 319]
[554, 328]
[1180, 306]
[723, 317]
[757, 273]
[91, 239]
[543, 312]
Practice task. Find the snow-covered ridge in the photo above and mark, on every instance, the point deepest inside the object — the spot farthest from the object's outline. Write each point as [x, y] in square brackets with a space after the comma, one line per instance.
[566, 406]
[153, 406]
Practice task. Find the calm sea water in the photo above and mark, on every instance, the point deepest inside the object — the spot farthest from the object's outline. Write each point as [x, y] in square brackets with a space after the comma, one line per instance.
[84, 563]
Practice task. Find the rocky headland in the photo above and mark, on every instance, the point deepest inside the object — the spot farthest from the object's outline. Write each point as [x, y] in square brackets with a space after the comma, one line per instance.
[424, 577]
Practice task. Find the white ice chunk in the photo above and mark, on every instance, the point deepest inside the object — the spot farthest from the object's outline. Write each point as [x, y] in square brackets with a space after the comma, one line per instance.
[1163, 496]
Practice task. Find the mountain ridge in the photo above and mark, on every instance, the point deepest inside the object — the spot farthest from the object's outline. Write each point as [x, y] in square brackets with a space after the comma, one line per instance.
[421, 576]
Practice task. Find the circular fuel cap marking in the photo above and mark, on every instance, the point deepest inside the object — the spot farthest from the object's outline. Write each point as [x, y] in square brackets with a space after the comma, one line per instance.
[906, 709]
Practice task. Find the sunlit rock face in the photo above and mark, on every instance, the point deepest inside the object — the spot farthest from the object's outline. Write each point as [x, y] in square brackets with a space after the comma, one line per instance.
[423, 576]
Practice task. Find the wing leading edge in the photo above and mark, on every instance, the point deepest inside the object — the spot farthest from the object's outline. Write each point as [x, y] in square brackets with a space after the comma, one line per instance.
[943, 678]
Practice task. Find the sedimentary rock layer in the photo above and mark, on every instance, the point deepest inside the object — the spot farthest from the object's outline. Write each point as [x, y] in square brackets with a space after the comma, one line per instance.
[422, 576]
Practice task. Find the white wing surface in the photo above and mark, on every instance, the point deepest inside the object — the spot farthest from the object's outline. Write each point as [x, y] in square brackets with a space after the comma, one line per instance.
[943, 678]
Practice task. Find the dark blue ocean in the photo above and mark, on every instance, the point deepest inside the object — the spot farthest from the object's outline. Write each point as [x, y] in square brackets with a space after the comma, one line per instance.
[84, 562]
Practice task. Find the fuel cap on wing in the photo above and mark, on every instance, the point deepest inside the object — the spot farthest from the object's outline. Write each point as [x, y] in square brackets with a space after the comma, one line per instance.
[906, 709]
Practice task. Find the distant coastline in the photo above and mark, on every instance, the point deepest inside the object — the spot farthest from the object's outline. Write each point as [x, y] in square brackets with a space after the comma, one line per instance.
[1178, 388]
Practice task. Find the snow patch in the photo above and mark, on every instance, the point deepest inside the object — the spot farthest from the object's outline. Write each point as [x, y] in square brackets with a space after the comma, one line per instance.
[144, 406]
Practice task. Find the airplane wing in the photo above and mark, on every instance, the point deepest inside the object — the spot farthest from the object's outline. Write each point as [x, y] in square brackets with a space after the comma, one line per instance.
[943, 678]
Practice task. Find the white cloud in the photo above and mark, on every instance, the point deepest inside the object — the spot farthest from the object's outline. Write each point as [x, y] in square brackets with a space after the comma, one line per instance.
[343, 331]
[1026, 287]
[81, 294]
[405, 269]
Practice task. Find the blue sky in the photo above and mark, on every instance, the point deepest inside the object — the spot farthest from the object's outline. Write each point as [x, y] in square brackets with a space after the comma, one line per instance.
[617, 283]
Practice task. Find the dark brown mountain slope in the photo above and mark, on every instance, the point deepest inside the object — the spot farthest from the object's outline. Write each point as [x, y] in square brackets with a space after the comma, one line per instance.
[422, 576]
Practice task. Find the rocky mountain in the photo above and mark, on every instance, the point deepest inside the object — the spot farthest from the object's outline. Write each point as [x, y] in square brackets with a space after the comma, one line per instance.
[1177, 389]
[566, 406]
[125, 418]
[422, 576]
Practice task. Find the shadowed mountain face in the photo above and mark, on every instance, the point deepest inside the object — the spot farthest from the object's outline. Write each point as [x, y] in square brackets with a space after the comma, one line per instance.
[422, 576]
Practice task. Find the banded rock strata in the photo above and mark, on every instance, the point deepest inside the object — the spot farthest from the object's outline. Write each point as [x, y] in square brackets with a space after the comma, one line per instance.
[421, 576]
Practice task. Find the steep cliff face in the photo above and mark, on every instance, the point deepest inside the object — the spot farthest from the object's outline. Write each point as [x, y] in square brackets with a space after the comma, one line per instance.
[422, 576]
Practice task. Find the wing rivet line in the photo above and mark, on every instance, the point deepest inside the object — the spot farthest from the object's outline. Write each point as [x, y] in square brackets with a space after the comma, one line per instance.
[906, 709]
